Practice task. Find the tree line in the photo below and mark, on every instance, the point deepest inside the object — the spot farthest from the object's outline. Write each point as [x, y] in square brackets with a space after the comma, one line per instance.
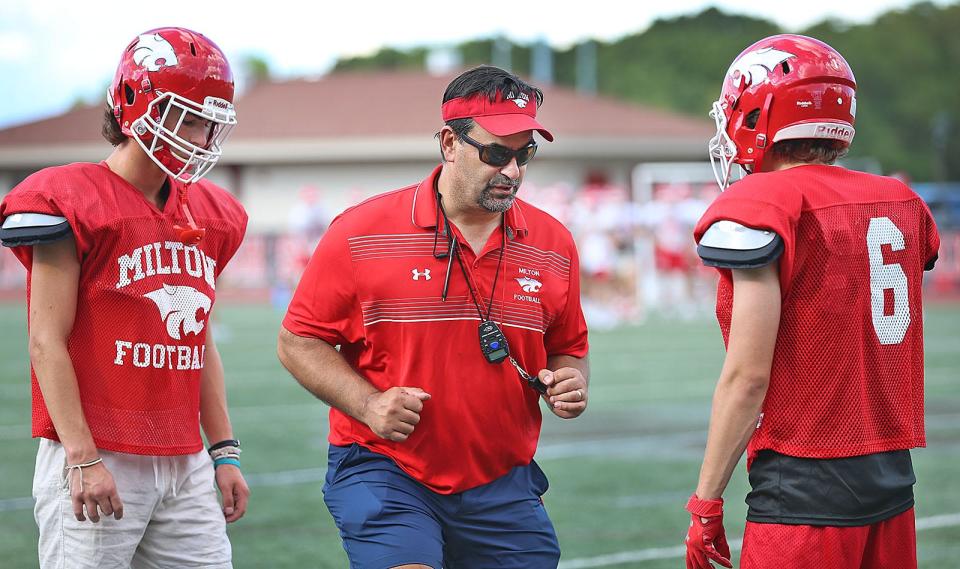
[907, 65]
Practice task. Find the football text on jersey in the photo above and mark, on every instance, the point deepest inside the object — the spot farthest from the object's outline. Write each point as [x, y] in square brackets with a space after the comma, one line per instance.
[160, 356]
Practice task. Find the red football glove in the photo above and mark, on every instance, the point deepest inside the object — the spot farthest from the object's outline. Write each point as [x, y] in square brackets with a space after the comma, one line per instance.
[706, 539]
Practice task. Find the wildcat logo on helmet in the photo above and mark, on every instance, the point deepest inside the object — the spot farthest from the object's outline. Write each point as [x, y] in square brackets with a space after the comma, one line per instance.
[154, 52]
[178, 307]
[756, 66]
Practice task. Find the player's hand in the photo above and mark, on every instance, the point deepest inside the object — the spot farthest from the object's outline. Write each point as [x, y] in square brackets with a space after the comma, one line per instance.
[394, 413]
[96, 493]
[566, 391]
[234, 492]
[706, 539]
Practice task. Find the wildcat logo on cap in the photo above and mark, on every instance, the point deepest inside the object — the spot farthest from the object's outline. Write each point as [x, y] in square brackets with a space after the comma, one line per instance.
[520, 100]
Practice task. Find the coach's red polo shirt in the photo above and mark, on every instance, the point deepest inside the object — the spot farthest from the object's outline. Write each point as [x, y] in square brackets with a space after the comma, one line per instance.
[373, 286]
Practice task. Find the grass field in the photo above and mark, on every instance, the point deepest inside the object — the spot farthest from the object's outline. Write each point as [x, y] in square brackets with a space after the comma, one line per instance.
[619, 475]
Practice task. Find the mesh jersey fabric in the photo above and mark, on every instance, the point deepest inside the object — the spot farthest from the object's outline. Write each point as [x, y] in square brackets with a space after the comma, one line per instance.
[143, 302]
[847, 374]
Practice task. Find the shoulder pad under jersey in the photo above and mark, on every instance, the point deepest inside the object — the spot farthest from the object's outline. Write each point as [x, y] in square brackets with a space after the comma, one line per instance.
[729, 245]
[21, 229]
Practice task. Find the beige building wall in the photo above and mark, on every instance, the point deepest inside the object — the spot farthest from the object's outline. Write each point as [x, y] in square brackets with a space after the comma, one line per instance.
[270, 193]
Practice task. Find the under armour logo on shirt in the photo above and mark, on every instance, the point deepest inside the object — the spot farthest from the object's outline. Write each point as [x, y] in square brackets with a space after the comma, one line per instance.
[417, 274]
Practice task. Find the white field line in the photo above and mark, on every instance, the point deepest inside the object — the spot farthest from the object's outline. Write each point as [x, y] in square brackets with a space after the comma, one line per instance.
[633, 446]
[593, 447]
[283, 478]
[316, 474]
[931, 522]
[634, 556]
[941, 521]
[11, 504]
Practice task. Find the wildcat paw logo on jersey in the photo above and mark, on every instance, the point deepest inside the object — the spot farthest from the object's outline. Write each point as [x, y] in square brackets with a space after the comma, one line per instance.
[755, 67]
[528, 284]
[178, 309]
[154, 52]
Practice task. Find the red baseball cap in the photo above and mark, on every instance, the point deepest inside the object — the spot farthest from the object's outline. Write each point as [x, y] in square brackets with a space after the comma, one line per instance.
[504, 116]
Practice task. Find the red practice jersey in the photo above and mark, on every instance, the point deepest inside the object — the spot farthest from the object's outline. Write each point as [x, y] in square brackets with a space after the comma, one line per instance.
[143, 303]
[374, 286]
[847, 375]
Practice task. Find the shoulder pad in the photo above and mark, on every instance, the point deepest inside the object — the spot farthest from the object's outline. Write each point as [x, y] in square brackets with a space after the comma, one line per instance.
[22, 229]
[729, 245]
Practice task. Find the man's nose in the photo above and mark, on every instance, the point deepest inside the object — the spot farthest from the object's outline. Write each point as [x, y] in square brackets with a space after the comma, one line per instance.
[197, 136]
[511, 169]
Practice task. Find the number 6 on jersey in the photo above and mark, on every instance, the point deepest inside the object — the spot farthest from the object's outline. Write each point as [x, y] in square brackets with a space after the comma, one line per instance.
[890, 328]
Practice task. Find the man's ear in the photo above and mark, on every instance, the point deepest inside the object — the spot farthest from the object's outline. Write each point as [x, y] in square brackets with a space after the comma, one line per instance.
[448, 141]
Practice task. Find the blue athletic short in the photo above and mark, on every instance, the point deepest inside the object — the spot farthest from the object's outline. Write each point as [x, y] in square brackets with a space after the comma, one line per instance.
[386, 518]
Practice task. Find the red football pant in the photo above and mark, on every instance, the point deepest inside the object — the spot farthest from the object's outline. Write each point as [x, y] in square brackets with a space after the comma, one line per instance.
[890, 544]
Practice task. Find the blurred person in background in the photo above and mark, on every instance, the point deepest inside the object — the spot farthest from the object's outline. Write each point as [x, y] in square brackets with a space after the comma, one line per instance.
[669, 217]
[819, 303]
[122, 259]
[456, 308]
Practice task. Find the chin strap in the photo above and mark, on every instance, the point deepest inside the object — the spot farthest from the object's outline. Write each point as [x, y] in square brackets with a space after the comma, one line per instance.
[190, 235]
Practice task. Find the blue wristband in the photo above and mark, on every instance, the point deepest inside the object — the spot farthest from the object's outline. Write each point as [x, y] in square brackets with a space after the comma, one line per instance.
[222, 461]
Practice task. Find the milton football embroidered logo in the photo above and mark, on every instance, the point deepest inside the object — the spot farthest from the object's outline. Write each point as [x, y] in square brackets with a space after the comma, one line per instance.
[417, 274]
[755, 67]
[178, 309]
[154, 52]
[528, 284]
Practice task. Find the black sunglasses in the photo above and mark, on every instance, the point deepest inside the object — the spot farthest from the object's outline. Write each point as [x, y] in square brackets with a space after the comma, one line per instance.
[500, 156]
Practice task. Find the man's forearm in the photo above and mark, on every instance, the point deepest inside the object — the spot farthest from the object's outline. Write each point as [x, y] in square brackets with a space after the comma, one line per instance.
[61, 394]
[558, 361]
[733, 421]
[322, 371]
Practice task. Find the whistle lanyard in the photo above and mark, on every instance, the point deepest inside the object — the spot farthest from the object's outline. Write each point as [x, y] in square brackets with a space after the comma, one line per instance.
[487, 327]
[475, 296]
[456, 251]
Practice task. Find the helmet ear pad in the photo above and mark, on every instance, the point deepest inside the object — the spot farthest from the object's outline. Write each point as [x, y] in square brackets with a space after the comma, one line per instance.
[750, 127]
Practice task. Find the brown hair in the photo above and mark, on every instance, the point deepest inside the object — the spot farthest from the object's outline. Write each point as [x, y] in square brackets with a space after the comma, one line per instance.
[809, 150]
[111, 128]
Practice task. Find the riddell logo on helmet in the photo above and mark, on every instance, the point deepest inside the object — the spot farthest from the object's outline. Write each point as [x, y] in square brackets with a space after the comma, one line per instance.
[833, 131]
[218, 103]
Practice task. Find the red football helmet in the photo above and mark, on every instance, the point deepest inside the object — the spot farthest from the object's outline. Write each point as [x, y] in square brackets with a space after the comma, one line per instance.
[790, 87]
[168, 76]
